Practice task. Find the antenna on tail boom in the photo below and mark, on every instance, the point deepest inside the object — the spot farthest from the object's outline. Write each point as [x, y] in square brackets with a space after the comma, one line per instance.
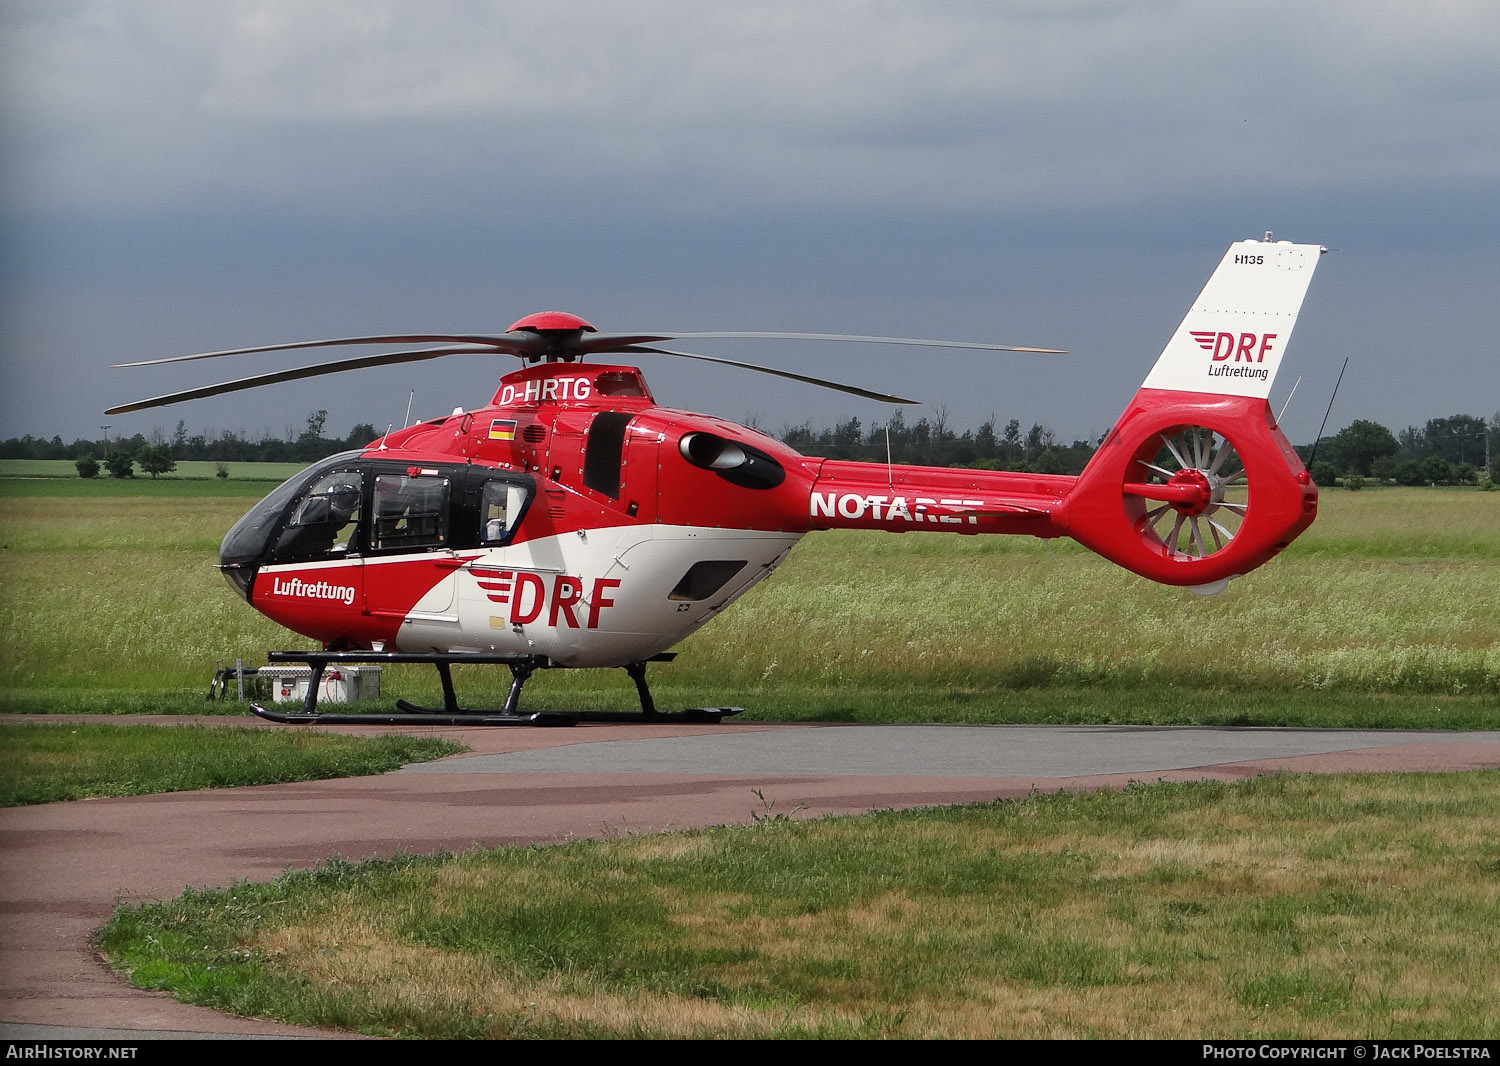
[1314, 454]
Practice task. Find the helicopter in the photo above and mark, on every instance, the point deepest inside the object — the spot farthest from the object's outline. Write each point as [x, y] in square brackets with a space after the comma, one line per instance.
[572, 522]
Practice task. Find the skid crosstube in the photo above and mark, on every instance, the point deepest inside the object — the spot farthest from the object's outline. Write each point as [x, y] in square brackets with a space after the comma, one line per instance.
[521, 668]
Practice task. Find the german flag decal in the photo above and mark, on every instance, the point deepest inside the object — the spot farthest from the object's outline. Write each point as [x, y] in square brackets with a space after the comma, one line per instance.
[503, 429]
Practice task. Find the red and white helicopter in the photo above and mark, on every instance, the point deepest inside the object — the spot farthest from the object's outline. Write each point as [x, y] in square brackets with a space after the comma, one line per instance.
[572, 522]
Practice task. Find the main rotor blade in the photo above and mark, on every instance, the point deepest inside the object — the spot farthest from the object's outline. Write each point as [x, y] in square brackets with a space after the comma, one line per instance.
[870, 340]
[360, 363]
[510, 344]
[528, 344]
[824, 382]
[604, 343]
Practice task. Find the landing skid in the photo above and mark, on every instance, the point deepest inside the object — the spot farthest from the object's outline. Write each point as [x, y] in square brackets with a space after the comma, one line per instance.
[521, 669]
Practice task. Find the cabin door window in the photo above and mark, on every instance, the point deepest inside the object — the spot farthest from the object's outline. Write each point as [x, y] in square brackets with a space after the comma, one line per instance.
[410, 512]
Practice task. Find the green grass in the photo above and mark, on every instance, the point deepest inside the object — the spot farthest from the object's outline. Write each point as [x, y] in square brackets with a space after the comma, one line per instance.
[43, 763]
[1386, 612]
[1327, 908]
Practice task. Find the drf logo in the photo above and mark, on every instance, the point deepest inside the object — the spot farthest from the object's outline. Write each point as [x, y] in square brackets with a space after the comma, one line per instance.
[527, 596]
[1247, 347]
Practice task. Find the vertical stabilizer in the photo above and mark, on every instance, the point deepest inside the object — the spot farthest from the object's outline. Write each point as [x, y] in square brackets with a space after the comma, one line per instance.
[1231, 341]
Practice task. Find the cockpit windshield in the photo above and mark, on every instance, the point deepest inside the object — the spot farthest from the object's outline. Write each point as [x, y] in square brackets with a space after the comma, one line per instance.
[324, 521]
[350, 505]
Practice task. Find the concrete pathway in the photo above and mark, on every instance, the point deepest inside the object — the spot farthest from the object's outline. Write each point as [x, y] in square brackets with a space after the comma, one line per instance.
[63, 866]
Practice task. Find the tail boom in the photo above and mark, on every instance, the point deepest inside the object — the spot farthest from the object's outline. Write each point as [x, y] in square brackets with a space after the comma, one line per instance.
[901, 499]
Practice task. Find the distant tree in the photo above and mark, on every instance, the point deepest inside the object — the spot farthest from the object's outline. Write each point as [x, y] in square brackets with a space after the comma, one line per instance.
[87, 466]
[1493, 444]
[1438, 471]
[1360, 443]
[120, 463]
[360, 435]
[1457, 438]
[1409, 472]
[221, 470]
[986, 444]
[157, 459]
[798, 437]
[1010, 441]
[847, 434]
[1384, 468]
[897, 428]
[314, 431]
[1049, 462]
[1324, 474]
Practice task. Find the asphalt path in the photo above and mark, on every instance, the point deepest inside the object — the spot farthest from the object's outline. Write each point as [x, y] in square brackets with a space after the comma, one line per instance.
[65, 865]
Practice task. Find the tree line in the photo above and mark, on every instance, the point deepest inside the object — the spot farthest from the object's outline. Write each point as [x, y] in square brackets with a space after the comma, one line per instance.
[1456, 450]
[933, 442]
[158, 454]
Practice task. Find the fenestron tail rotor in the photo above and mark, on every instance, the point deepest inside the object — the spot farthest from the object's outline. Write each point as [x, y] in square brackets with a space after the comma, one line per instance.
[553, 336]
[1192, 496]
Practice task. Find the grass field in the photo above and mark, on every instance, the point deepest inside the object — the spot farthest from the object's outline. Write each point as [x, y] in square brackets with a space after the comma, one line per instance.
[44, 763]
[1327, 908]
[1387, 612]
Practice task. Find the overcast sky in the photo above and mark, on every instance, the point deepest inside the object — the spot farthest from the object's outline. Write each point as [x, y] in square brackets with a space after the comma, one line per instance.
[179, 176]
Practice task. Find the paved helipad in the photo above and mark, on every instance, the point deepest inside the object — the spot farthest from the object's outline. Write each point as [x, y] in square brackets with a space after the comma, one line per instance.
[66, 864]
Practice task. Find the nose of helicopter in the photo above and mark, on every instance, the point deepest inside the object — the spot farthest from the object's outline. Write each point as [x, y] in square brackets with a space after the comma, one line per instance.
[247, 545]
[239, 578]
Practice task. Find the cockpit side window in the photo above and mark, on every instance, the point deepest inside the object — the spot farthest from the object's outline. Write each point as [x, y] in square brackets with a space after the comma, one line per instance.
[324, 521]
[500, 506]
[409, 512]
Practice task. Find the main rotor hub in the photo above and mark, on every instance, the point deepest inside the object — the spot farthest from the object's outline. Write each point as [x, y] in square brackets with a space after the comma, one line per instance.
[551, 322]
[559, 332]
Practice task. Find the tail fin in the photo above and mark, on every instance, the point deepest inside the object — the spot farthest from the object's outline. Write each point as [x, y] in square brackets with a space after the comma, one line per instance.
[1232, 339]
[1196, 484]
